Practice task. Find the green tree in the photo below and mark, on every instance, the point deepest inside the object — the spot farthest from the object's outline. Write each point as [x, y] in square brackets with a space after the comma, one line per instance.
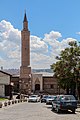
[67, 68]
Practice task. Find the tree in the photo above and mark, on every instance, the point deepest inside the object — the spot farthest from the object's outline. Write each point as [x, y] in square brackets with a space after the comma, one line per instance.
[67, 68]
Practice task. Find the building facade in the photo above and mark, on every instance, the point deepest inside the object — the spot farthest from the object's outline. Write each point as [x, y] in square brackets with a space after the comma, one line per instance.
[5, 84]
[44, 83]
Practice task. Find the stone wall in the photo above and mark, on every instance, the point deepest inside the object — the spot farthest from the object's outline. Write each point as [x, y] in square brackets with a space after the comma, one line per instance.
[50, 85]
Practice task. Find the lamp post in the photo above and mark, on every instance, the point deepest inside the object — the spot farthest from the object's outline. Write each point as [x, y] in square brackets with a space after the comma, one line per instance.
[20, 83]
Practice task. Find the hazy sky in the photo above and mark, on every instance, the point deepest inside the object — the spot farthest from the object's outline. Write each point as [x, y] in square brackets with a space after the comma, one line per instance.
[52, 24]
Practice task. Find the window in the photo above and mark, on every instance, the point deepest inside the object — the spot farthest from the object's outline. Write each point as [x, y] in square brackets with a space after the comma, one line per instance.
[51, 86]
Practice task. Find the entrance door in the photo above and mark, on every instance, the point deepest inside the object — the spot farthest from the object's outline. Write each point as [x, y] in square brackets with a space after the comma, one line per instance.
[8, 91]
[37, 87]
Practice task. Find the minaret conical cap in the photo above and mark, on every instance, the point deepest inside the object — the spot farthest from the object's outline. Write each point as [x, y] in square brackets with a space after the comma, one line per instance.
[25, 18]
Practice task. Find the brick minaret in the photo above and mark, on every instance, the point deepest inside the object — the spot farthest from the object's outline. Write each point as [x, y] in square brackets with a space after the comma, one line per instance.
[25, 69]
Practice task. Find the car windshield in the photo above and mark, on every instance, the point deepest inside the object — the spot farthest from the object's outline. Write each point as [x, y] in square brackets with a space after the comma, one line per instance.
[68, 97]
[33, 96]
[50, 97]
[45, 96]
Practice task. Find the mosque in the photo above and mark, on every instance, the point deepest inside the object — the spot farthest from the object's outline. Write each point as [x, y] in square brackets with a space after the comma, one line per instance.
[27, 81]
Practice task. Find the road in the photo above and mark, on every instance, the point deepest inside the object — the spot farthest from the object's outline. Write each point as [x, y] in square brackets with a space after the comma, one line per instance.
[34, 111]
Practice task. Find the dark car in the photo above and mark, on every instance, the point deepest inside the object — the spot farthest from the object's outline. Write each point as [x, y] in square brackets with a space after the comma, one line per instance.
[43, 99]
[64, 102]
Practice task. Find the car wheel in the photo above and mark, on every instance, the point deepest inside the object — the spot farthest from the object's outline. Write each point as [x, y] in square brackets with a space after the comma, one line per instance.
[58, 110]
[46, 103]
[53, 108]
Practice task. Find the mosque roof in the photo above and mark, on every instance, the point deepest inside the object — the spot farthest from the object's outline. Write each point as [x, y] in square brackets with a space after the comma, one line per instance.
[47, 74]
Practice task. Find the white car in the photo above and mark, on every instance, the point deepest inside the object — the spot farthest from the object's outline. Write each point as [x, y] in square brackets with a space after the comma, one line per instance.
[33, 98]
[50, 99]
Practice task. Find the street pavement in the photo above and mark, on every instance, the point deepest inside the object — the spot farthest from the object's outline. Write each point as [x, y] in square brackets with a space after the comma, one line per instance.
[34, 111]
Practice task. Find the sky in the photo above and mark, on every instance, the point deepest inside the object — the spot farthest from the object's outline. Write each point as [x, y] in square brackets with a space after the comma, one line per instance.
[52, 25]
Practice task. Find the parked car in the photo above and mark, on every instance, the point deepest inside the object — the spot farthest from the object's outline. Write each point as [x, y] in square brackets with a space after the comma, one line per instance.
[64, 102]
[33, 98]
[43, 99]
[50, 99]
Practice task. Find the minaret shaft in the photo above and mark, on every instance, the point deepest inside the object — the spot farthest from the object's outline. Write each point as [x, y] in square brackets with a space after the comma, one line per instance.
[25, 69]
[25, 50]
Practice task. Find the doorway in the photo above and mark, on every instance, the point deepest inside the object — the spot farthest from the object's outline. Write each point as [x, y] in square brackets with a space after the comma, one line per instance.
[37, 87]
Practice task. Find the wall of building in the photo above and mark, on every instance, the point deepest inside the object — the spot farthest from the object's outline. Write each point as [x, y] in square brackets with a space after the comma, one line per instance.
[4, 81]
[2, 91]
[50, 85]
